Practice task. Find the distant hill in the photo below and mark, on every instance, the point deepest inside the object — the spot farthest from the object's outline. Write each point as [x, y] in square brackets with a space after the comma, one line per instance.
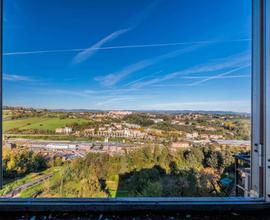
[157, 111]
[143, 111]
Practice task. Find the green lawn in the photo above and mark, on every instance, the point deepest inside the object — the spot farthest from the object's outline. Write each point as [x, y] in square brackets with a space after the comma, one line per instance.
[40, 123]
[113, 187]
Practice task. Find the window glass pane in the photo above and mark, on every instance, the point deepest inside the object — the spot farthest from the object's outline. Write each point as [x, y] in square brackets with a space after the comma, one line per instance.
[126, 98]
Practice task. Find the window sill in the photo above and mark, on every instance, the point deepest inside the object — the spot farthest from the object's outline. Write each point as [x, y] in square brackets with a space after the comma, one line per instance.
[233, 204]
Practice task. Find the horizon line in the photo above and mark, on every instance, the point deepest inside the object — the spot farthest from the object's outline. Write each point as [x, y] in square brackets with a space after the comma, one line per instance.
[126, 110]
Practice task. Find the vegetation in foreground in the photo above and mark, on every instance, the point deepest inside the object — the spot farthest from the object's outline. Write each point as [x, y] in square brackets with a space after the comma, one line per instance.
[149, 171]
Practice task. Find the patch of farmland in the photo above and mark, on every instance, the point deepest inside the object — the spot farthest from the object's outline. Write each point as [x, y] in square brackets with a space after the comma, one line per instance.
[40, 123]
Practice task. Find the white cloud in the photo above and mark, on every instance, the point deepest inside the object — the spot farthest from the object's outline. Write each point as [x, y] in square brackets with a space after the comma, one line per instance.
[9, 77]
[98, 94]
[218, 64]
[116, 100]
[136, 84]
[220, 75]
[237, 61]
[56, 92]
[85, 54]
[113, 78]
[116, 47]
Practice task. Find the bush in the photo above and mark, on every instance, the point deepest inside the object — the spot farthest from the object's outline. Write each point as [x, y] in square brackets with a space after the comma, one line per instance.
[20, 161]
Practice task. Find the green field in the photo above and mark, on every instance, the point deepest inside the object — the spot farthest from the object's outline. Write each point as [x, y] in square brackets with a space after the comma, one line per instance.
[40, 123]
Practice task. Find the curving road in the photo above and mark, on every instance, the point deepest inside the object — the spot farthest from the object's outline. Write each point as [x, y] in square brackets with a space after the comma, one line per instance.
[15, 192]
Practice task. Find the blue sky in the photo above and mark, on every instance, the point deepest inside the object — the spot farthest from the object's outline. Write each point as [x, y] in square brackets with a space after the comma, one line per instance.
[136, 54]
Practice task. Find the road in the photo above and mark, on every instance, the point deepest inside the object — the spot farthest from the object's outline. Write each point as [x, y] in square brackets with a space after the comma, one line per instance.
[28, 135]
[15, 192]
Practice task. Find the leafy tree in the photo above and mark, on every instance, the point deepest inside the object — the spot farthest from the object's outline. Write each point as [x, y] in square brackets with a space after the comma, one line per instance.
[215, 160]
[152, 190]
[139, 119]
[20, 161]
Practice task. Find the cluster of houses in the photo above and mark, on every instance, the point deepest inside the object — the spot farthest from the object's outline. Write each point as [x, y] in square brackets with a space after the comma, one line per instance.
[120, 113]
[61, 146]
[65, 130]
[123, 133]
[180, 144]
[187, 116]
[196, 135]
[127, 130]
[201, 134]
[205, 128]
[112, 114]
[115, 130]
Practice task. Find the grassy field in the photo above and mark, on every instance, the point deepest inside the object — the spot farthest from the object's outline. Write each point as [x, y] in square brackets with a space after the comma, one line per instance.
[40, 123]
[113, 187]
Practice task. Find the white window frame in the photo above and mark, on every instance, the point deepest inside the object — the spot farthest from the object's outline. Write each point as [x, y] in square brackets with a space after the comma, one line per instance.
[266, 159]
[260, 151]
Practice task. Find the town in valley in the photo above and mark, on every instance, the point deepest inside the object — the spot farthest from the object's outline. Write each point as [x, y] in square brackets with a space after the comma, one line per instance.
[130, 141]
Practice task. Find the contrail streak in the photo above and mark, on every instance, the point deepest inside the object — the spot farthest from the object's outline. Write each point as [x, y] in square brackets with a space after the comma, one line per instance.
[117, 47]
